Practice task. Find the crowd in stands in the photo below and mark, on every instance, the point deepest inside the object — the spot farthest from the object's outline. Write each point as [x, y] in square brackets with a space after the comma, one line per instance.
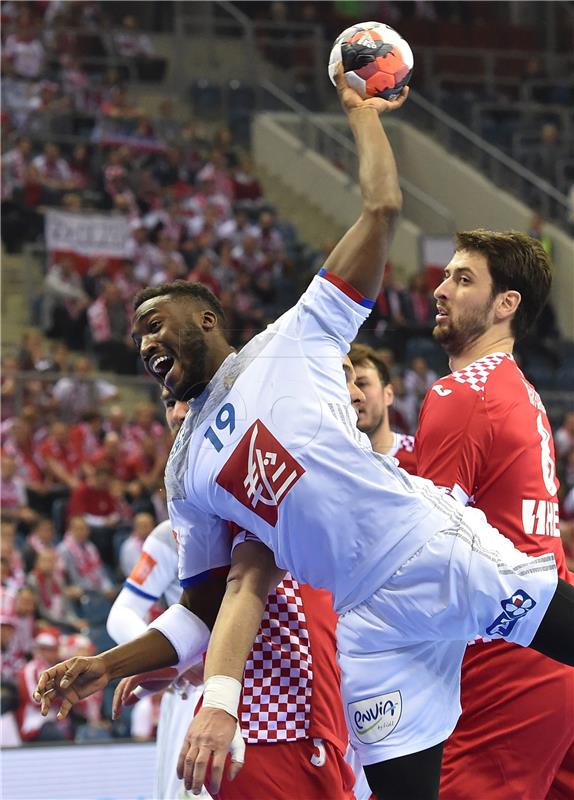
[81, 478]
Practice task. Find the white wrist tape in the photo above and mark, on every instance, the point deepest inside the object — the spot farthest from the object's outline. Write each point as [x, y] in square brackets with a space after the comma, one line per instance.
[188, 634]
[224, 692]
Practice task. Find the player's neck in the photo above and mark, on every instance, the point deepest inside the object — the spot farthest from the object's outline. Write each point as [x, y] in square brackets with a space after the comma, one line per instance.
[382, 438]
[217, 356]
[485, 345]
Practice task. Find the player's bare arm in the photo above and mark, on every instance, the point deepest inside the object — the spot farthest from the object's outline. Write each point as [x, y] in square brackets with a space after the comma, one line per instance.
[203, 599]
[252, 576]
[360, 257]
[77, 678]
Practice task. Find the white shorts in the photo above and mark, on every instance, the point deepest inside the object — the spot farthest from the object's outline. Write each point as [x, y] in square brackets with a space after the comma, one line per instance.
[401, 650]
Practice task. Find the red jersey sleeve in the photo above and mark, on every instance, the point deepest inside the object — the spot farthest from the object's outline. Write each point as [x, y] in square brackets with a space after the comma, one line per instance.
[454, 437]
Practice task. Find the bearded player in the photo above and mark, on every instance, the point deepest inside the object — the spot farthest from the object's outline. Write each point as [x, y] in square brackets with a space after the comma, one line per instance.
[484, 435]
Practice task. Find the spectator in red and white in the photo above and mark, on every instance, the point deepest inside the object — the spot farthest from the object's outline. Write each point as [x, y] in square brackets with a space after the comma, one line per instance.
[131, 548]
[82, 560]
[13, 575]
[145, 424]
[64, 303]
[41, 537]
[60, 462]
[24, 48]
[109, 320]
[33, 726]
[208, 191]
[82, 390]
[94, 501]
[53, 172]
[146, 256]
[246, 186]
[24, 612]
[217, 170]
[13, 495]
[203, 273]
[55, 593]
[19, 444]
[12, 662]
[86, 435]
[130, 42]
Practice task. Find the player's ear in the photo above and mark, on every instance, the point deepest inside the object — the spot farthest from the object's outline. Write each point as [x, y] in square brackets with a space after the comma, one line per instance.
[208, 320]
[508, 303]
[389, 394]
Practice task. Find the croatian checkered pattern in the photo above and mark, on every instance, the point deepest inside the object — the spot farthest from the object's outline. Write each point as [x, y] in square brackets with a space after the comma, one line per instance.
[476, 374]
[278, 680]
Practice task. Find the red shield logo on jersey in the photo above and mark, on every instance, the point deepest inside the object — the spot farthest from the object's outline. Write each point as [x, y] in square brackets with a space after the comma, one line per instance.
[260, 472]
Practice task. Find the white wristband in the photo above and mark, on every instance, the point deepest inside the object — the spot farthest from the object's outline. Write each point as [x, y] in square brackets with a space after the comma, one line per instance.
[188, 634]
[224, 692]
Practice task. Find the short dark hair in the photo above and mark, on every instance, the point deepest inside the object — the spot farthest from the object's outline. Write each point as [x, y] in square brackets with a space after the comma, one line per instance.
[362, 355]
[182, 289]
[516, 262]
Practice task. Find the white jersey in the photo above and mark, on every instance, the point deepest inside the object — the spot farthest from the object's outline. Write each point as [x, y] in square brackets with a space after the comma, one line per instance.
[272, 445]
[155, 572]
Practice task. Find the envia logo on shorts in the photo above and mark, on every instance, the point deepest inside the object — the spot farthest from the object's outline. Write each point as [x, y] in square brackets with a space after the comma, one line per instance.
[513, 609]
[374, 718]
[260, 472]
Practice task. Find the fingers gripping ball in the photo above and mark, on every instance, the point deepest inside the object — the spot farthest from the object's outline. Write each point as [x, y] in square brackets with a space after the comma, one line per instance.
[377, 61]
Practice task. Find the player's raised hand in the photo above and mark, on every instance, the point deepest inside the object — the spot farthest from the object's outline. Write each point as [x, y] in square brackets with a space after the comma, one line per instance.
[211, 737]
[351, 99]
[69, 682]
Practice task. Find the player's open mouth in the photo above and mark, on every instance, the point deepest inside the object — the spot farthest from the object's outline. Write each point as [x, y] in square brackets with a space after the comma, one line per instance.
[441, 314]
[160, 365]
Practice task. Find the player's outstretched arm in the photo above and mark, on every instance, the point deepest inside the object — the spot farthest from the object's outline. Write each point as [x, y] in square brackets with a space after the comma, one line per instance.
[360, 257]
[252, 576]
[77, 678]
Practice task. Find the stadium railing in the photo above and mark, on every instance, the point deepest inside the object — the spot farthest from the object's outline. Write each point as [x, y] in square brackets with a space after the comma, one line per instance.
[321, 134]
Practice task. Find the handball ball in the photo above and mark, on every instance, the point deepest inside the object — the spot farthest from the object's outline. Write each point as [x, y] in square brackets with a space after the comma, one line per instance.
[377, 61]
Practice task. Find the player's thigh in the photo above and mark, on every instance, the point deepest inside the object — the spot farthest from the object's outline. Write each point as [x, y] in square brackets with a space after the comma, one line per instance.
[308, 769]
[400, 700]
[515, 731]
[464, 583]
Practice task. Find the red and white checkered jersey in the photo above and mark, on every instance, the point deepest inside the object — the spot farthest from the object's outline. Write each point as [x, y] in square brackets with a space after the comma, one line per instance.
[291, 684]
[403, 449]
[272, 445]
[283, 698]
[278, 678]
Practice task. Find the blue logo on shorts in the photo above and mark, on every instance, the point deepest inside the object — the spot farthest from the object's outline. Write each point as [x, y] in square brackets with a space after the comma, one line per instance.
[513, 609]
